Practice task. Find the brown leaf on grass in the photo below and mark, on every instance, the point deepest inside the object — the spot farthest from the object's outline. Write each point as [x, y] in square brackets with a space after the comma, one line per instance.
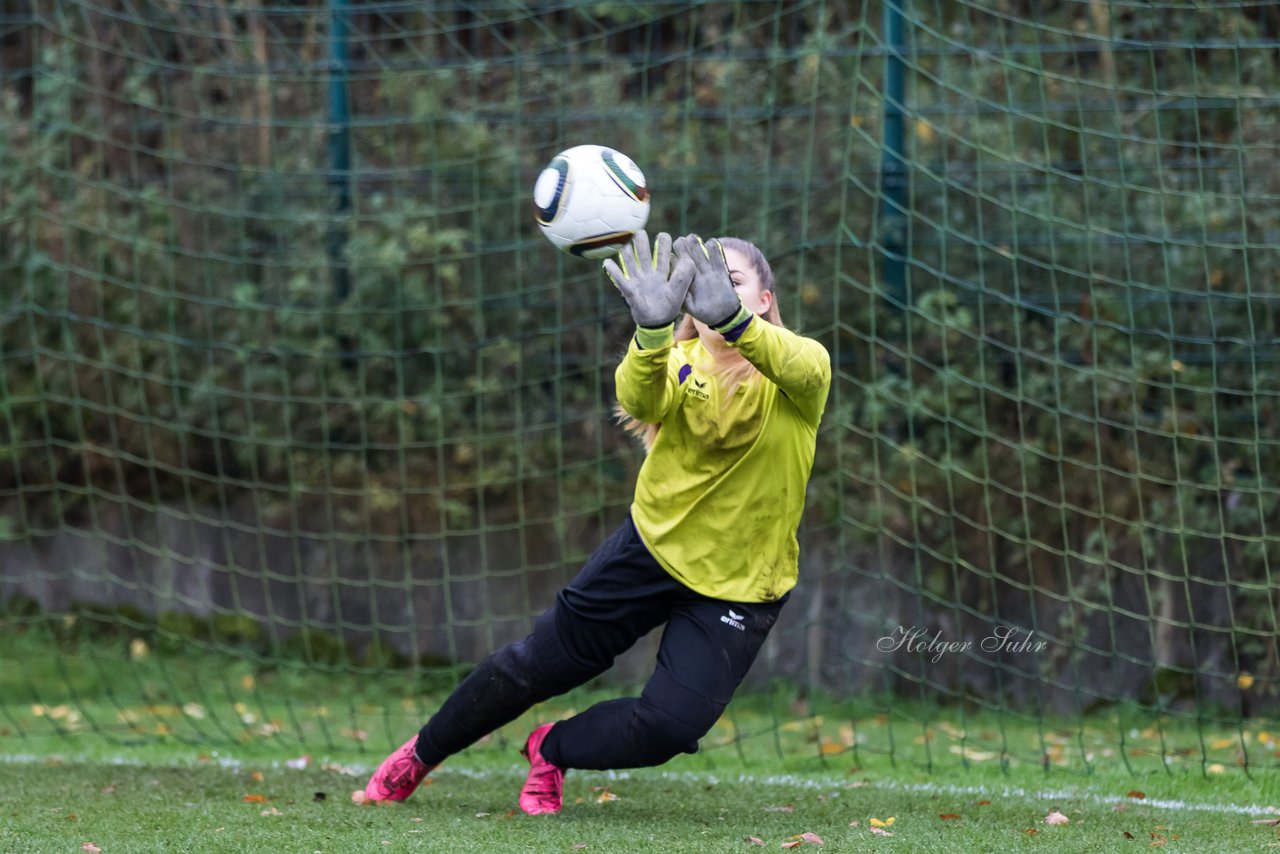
[880, 831]
[783, 808]
[1136, 794]
[949, 816]
[1031, 831]
[1128, 835]
[107, 790]
[754, 840]
[1156, 840]
[255, 799]
[605, 796]
[803, 838]
[1055, 817]
[1274, 822]
[272, 811]
[983, 803]
[580, 845]
[91, 848]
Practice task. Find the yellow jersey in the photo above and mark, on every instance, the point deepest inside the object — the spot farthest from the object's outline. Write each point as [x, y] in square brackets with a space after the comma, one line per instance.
[720, 494]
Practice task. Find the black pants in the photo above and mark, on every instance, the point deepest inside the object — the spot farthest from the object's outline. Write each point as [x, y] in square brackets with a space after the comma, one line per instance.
[619, 596]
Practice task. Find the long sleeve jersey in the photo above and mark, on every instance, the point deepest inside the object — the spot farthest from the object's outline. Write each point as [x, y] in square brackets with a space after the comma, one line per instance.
[720, 494]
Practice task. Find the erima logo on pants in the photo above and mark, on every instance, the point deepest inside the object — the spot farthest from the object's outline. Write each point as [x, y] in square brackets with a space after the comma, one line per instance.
[735, 620]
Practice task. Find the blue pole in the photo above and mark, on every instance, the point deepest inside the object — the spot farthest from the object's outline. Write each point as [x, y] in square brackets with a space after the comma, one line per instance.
[339, 147]
[893, 167]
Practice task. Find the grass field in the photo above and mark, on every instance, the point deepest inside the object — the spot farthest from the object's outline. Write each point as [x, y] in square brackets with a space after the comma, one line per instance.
[103, 748]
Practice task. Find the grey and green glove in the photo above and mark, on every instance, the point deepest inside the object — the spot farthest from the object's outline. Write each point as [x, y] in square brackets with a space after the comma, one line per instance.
[652, 289]
[711, 298]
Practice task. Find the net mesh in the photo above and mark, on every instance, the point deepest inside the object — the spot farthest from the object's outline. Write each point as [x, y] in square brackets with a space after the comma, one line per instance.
[289, 379]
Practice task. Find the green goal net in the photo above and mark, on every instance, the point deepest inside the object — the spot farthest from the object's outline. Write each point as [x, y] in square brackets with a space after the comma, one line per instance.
[292, 388]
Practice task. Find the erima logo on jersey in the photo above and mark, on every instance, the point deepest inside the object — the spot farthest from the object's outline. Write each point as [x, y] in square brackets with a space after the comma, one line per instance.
[735, 620]
[698, 388]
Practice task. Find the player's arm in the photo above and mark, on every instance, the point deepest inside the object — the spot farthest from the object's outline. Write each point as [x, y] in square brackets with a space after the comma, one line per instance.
[655, 293]
[799, 366]
[645, 379]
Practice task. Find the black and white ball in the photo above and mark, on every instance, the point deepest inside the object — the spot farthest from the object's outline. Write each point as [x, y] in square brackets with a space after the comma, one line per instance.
[590, 200]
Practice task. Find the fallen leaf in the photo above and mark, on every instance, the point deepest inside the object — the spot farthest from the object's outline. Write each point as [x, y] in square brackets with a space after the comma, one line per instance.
[107, 790]
[880, 831]
[1136, 794]
[255, 799]
[888, 822]
[580, 845]
[983, 803]
[853, 824]
[481, 814]
[1031, 830]
[272, 811]
[754, 840]
[1055, 817]
[257, 777]
[1271, 821]
[783, 808]
[606, 796]
[948, 816]
[91, 848]
[1157, 839]
[320, 796]
[811, 838]
[1128, 835]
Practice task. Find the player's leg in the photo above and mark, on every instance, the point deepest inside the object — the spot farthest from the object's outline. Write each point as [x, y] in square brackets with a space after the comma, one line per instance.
[619, 596]
[707, 648]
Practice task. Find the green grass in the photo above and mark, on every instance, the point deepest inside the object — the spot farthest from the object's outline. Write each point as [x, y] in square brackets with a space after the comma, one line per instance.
[159, 752]
[202, 806]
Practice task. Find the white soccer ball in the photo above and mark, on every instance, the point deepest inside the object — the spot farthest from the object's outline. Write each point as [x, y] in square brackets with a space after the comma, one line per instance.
[590, 200]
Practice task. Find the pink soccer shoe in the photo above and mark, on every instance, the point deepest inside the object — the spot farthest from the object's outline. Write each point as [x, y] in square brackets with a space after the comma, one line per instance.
[398, 775]
[543, 786]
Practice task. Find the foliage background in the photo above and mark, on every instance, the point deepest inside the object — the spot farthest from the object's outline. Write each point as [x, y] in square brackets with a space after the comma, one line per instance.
[1063, 421]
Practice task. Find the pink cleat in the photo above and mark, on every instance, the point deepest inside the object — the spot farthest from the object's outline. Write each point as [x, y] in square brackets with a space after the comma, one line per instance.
[398, 775]
[542, 788]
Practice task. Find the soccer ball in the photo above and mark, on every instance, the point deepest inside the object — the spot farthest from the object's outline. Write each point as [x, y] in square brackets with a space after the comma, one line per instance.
[590, 200]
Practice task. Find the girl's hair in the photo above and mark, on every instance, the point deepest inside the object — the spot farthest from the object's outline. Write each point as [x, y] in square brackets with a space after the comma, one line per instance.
[732, 369]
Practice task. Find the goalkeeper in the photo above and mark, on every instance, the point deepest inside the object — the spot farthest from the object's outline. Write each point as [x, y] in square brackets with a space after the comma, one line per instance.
[729, 407]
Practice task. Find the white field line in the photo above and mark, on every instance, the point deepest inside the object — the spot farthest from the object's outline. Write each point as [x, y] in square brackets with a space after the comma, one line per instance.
[834, 786]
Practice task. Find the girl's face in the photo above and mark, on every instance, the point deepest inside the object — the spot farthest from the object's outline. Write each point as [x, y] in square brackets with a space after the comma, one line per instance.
[746, 281]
